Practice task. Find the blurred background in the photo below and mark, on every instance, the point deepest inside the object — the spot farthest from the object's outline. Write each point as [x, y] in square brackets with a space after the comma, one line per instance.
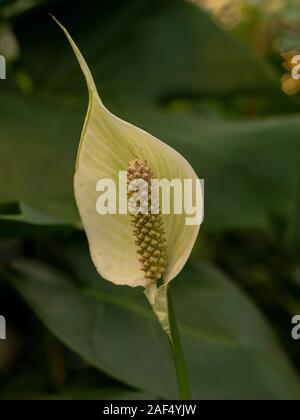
[207, 77]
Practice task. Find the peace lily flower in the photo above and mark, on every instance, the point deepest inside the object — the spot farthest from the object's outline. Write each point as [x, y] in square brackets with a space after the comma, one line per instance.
[141, 250]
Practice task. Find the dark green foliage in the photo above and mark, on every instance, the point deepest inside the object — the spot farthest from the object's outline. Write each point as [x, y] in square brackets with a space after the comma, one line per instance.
[165, 66]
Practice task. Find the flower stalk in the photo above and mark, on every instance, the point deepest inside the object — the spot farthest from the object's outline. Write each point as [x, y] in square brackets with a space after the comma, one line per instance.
[177, 352]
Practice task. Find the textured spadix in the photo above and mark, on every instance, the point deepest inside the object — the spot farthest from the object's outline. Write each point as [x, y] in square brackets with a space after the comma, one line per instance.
[106, 147]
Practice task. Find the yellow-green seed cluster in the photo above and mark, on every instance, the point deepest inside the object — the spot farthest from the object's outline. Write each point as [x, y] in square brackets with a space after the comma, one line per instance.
[148, 229]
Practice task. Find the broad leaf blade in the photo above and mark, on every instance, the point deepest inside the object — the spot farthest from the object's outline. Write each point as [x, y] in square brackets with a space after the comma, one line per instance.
[230, 350]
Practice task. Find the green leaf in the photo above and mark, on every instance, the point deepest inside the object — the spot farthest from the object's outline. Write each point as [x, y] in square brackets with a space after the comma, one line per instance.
[230, 350]
[35, 387]
[14, 8]
[141, 51]
[38, 160]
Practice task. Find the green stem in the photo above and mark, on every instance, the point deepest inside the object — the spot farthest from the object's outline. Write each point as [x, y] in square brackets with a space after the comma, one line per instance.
[178, 356]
